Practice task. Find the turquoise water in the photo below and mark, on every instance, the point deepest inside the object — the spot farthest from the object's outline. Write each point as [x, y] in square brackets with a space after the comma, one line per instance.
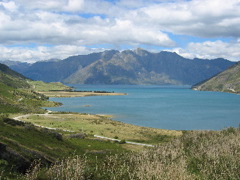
[165, 107]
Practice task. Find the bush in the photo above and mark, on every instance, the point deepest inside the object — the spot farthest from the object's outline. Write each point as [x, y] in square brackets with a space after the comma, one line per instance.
[122, 141]
[13, 122]
[78, 135]
[54, 134]
[230, 130]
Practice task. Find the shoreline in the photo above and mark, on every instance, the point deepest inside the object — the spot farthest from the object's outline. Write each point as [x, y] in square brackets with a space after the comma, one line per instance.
[101, 124]
[79, 93]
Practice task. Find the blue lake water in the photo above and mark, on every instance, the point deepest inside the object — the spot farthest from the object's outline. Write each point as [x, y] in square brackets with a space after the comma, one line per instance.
[165, 107]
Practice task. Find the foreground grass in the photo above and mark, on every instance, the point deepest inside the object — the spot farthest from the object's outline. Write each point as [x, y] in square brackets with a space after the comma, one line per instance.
[197, 155]
[102, 125]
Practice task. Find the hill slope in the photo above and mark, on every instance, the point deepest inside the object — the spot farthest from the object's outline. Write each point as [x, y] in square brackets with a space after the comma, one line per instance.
[227, 81]
[12, 78]
[127, 67]
[17, 94]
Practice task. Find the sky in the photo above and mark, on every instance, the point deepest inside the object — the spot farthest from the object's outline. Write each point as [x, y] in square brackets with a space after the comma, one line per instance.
[39, 30]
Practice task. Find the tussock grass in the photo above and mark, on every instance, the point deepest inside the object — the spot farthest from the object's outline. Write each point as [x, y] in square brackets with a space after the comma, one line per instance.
[68, 168]
[197, 155]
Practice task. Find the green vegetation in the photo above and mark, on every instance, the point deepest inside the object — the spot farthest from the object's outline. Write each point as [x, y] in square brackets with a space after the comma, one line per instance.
[227, 81]
[18, 94]
[14, 100]
[12, 78]
[199, 155]
[43, 86]
[22, 143]
[103, 126]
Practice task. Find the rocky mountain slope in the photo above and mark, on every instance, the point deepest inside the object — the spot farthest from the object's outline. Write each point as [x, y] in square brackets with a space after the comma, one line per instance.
[127, 67]
[226, 81]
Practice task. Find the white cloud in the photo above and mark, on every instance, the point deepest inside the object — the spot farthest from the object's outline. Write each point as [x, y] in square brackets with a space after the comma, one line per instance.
[74, 5]
[202, 18]
[211, 50]
[55, 5]
[78, 23]
[40, 53]
[124, 32]
[52, 28]
[9, 6]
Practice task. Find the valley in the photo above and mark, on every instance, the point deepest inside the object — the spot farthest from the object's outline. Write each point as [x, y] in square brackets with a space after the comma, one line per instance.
[35, 144]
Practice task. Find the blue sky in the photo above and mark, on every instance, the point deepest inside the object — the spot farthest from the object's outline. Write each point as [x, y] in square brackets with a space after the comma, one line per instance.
[45, 29]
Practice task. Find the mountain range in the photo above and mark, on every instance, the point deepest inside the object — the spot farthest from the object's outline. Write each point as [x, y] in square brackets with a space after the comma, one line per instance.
[124, 67]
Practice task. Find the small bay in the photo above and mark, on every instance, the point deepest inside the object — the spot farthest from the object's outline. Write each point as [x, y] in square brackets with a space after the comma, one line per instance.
[164, 107]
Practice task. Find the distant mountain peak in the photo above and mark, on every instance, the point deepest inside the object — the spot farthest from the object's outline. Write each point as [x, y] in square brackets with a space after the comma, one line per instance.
[141, 52]
[170, 54]
[52, 60]
[108, 54]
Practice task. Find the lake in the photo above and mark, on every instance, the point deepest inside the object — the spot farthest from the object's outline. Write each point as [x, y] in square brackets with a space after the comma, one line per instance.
[164, 107]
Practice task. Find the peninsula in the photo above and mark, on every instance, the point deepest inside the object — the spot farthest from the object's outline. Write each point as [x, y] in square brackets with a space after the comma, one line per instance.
[79, 93]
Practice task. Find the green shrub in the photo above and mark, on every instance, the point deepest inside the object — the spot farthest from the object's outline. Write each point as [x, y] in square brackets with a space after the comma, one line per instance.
[13, 122]
[123, 141]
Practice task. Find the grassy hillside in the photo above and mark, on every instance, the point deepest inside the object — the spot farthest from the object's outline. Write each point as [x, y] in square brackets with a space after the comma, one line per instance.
[43, 86]
[12, 78]
[227, 81]
[18, 94]
[22, 143]
[14, 100]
